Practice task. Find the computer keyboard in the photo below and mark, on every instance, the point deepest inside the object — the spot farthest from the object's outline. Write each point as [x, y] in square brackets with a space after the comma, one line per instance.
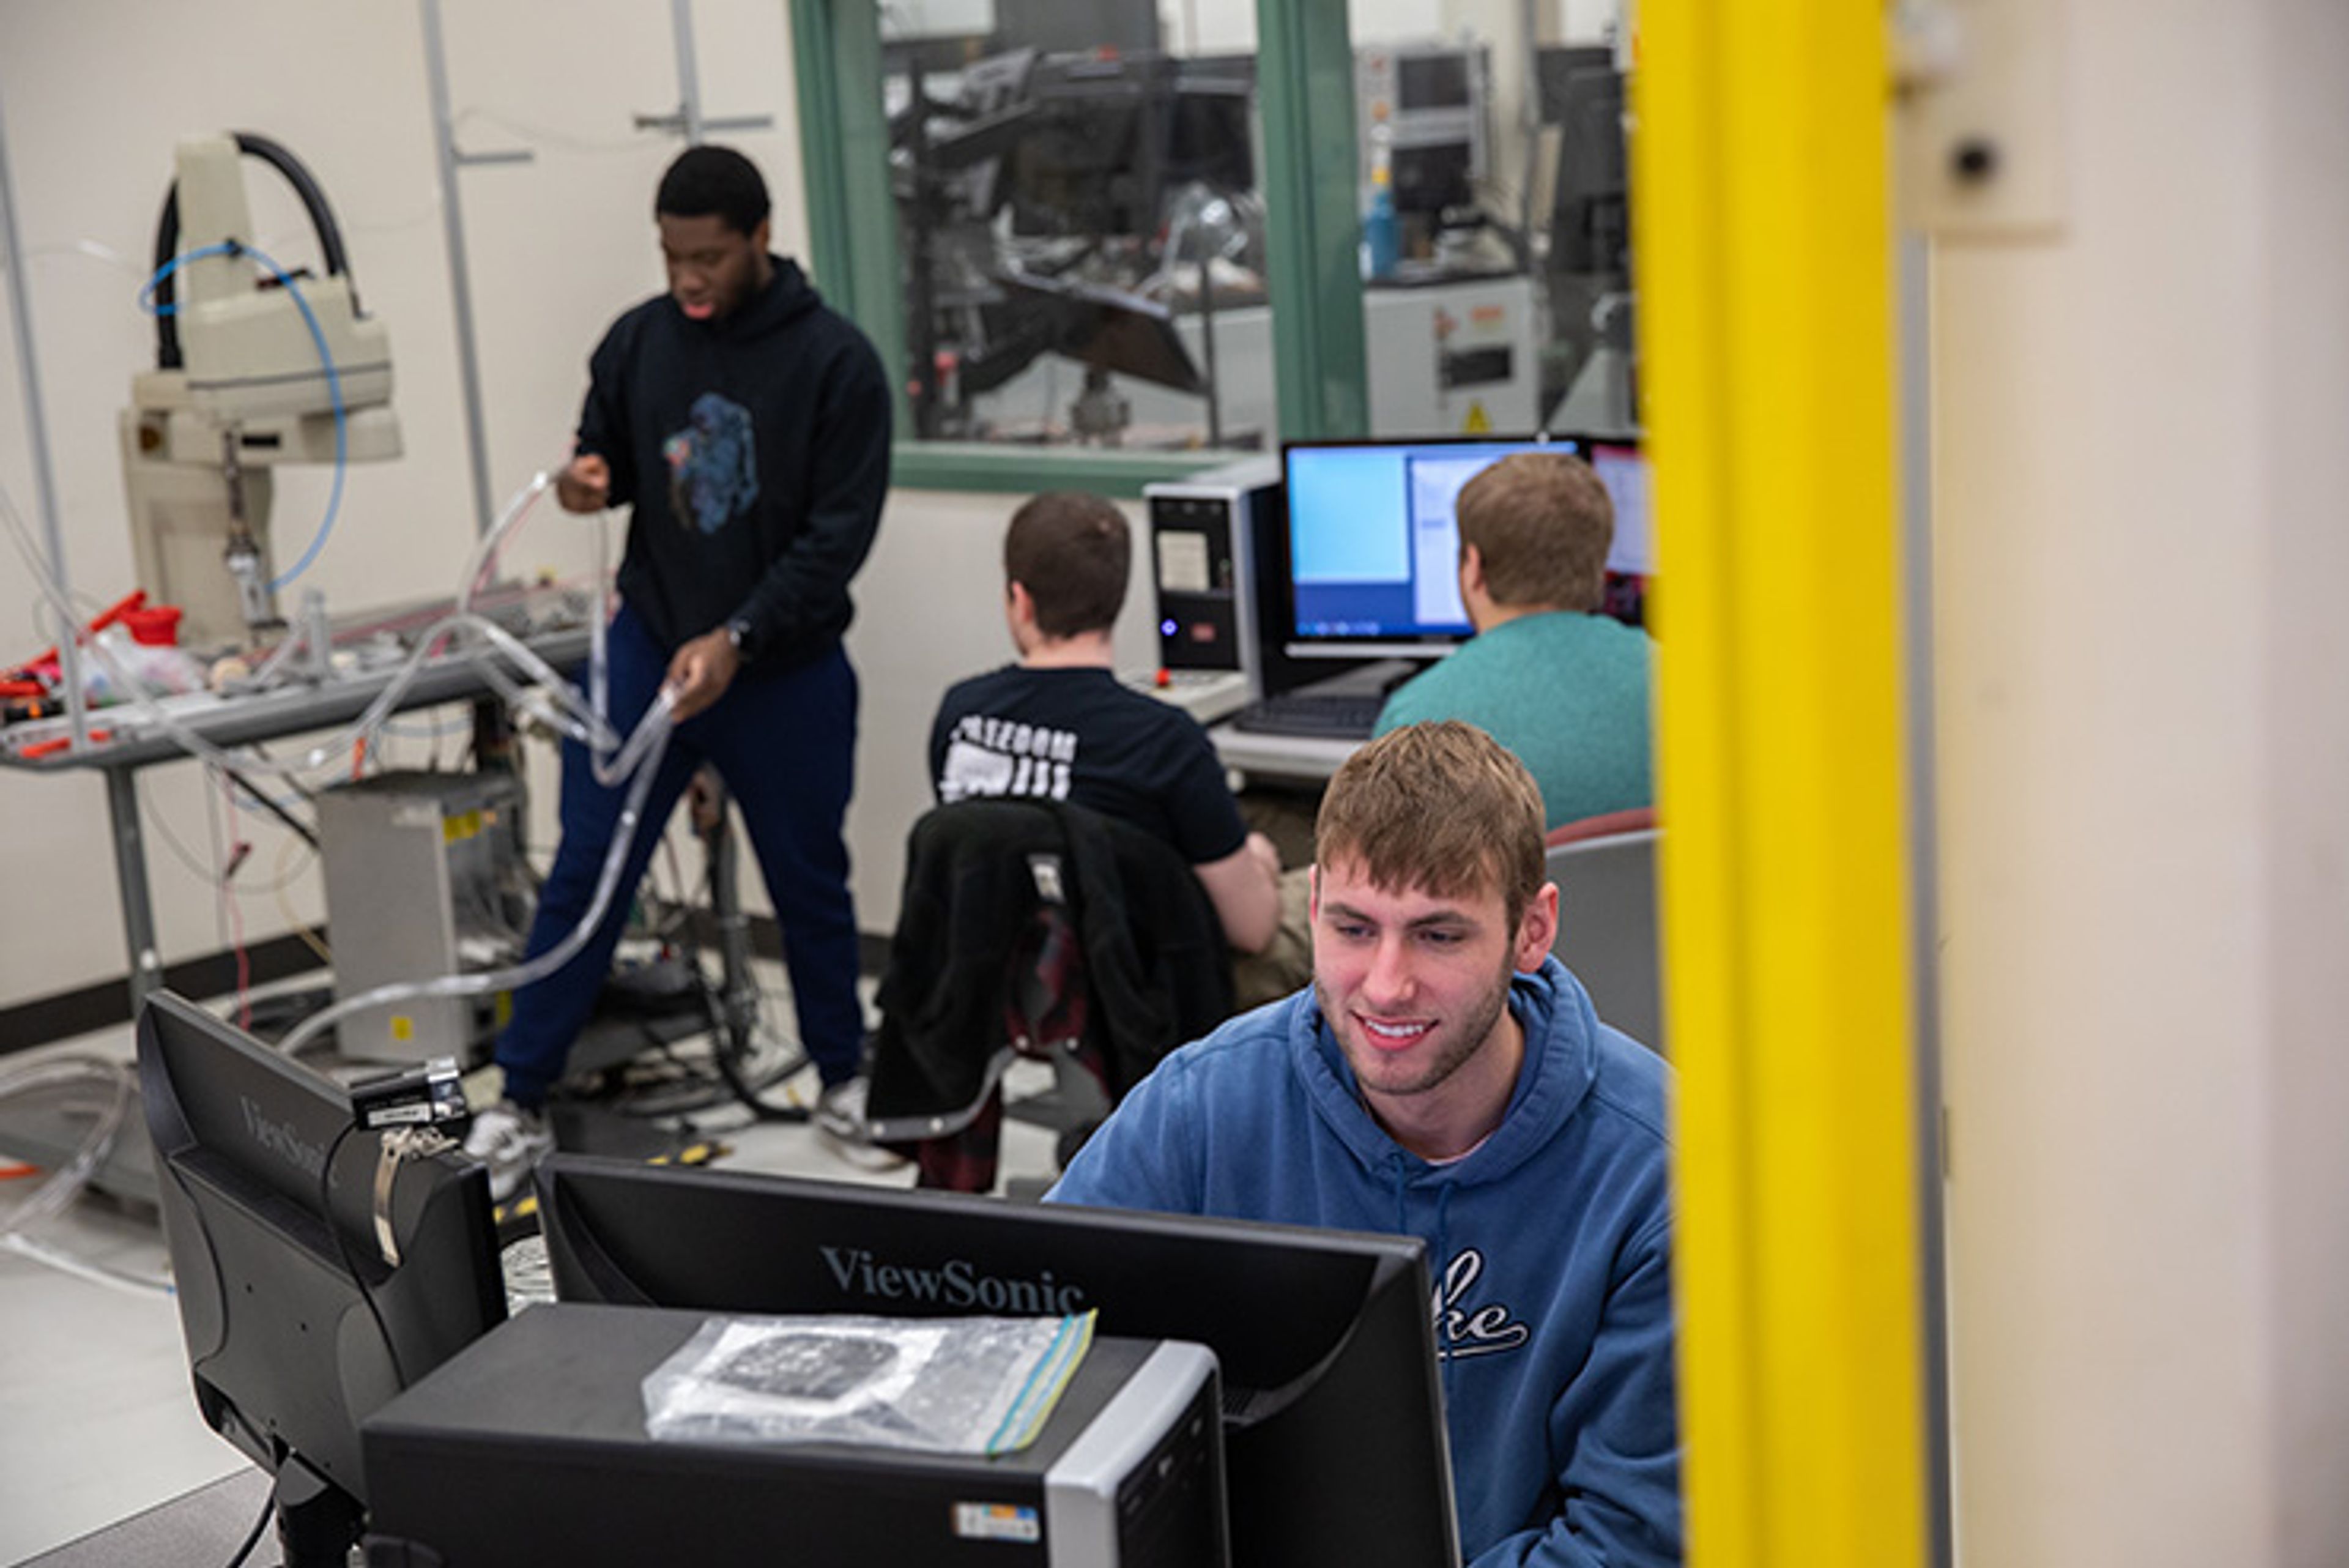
[1323, 715]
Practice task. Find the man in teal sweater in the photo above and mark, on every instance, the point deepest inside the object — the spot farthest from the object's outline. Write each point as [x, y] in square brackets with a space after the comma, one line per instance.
[1558, 683]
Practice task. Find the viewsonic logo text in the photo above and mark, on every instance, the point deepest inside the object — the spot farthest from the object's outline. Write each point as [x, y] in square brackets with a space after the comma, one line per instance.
[957, 1282]
[279, 1139]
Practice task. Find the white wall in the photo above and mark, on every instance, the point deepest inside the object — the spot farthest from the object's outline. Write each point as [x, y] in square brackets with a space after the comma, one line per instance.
[2139, 476]
[96, 93]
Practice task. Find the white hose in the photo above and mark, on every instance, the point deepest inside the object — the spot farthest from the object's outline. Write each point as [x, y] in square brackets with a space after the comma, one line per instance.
[573, 716]
[493, 541]
[580, 720]
[650, 743]
[65, 1262]
[65, 1184]
[68, 1180]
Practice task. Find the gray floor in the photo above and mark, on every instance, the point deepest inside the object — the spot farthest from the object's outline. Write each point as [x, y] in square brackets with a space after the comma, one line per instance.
[97, 1421]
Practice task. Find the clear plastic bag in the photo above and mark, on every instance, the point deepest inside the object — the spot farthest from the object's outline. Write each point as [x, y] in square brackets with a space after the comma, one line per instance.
[163, 672]
[962, 1385]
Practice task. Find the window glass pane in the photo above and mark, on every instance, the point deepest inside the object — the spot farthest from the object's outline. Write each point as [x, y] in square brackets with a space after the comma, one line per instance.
[1076, 188]
[1496, 228]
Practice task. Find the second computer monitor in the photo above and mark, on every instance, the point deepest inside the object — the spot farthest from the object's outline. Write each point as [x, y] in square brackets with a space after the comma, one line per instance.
[1624, 472]
[1373, 542]
[1334, 1438]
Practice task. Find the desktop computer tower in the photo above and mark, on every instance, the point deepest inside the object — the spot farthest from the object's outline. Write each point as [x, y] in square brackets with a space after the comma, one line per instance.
[529, 1445]
[1218, 567]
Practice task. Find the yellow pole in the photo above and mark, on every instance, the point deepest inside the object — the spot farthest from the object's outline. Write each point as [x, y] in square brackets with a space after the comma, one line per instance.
[1765, 256]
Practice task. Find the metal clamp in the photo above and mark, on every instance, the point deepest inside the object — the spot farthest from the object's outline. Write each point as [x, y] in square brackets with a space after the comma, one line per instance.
[399, 1144]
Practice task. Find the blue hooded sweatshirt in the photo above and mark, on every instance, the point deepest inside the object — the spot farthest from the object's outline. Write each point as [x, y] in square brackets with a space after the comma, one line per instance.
[1550, 1244]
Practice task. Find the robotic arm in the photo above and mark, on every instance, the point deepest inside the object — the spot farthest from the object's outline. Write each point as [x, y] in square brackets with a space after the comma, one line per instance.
[240, 385]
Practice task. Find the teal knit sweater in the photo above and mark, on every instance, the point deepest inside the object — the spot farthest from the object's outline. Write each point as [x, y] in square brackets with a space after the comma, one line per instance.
[1567, 693]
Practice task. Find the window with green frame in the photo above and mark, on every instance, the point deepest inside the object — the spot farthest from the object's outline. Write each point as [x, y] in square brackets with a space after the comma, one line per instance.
[1309, 248]
[1542, 299]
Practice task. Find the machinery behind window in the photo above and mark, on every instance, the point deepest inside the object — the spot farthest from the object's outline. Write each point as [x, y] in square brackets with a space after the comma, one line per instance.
[1084, 239]
[1099, 208]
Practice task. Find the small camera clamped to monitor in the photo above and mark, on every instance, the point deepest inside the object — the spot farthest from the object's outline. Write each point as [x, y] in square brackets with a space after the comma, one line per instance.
[429, 1095]
[417, 1109]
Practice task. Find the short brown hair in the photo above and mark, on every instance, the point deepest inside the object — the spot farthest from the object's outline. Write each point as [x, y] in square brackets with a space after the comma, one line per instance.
[1441, 807]
[1071, 551]
[1542, 524]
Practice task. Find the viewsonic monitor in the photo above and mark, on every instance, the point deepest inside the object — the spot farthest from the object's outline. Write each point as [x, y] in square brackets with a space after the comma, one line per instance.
[296, 1326]
[1335, 1450]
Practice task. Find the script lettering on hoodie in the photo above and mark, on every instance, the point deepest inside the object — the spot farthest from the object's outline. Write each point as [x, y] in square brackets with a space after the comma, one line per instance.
[1463, 1327]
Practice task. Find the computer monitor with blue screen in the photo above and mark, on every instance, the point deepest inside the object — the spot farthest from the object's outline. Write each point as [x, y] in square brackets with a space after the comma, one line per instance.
[1334, 1443]
[1373, 563]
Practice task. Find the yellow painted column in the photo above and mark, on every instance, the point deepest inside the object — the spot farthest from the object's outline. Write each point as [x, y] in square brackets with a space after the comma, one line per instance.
[1764, 261]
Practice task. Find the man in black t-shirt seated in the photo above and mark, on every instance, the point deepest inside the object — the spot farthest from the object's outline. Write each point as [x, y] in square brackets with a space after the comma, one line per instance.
[1059, 725]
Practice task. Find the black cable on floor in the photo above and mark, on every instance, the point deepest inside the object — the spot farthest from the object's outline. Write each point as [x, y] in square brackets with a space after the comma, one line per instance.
[253, 1537]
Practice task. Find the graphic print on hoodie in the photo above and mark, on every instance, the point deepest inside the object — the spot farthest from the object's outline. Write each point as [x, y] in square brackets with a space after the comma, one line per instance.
[713, 464]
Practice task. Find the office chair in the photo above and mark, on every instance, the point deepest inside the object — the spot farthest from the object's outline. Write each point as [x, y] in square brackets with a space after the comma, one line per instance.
[1032, 928]
[1605, 869]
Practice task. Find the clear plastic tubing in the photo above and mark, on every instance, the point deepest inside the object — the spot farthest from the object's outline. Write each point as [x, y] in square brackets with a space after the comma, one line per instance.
[638, 758]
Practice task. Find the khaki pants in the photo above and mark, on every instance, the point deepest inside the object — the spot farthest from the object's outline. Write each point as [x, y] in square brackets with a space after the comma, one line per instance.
[1287, 964]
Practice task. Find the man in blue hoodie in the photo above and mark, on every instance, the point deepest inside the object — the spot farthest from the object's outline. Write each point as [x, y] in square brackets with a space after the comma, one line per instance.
[1445, 1077]
[746, 426]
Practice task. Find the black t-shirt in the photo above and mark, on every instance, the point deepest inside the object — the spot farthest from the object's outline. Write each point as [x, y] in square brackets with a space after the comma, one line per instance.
[1079, 736]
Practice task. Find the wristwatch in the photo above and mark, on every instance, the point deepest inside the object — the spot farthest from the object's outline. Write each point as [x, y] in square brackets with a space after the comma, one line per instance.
[738, 632]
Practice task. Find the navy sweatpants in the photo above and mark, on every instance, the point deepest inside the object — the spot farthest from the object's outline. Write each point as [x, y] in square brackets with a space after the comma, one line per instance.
[785, 744]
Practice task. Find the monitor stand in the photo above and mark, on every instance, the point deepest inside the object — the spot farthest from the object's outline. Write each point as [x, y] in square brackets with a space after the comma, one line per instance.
[1374, 678]
[317, 1521]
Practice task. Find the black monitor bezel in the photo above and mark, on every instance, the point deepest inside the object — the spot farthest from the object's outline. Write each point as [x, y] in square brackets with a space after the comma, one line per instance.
[1288, 1429]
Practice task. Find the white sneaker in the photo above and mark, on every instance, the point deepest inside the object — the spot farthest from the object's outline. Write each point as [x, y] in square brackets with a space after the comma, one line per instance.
[508, 1140]
[841, 1121]
[840, 1111]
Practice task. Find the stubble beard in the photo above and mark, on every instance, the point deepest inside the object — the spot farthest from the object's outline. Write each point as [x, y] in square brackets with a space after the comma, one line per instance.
[1450, 1054]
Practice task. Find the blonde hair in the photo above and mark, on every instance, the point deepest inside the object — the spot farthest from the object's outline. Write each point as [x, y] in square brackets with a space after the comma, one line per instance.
[1542, 524]
[1441, 807]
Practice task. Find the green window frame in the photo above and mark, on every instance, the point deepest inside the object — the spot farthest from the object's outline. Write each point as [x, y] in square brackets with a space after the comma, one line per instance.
[1305, 90]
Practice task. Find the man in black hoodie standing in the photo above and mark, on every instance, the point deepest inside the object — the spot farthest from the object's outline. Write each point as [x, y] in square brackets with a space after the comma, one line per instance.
[746, 426]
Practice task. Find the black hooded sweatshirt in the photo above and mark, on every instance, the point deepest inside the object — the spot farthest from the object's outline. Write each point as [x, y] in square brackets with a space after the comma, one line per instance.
[754, 450]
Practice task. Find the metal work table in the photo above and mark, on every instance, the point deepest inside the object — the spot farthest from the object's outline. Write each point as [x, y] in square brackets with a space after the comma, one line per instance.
[136, 743]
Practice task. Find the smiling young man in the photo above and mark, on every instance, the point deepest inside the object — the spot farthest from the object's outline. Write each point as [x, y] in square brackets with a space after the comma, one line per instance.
[746, 427]
[1445, 1077]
